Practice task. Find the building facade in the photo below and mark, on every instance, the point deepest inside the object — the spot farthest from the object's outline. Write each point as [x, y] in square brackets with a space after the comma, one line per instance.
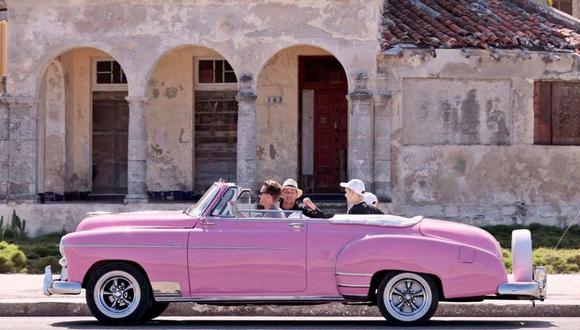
[112, 104]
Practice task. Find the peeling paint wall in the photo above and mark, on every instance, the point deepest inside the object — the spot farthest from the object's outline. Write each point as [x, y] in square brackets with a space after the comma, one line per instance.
[277, 147]
[462, 137]
[54, 137]
[137, 33]
[170, 117]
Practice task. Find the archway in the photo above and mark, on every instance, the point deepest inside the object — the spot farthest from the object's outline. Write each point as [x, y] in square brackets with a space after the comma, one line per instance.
[83, 127]
[302, 114]
[192, 123]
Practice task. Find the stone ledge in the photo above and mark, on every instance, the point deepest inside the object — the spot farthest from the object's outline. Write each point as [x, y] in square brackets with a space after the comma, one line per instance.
[501, 309]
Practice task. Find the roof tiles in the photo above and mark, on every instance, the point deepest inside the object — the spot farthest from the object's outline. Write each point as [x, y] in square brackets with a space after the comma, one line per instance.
[506, 24]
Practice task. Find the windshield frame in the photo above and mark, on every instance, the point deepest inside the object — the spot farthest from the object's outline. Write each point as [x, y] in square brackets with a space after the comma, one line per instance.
[198, 209]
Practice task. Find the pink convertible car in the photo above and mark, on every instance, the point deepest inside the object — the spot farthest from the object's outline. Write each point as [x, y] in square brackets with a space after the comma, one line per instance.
[133, 265]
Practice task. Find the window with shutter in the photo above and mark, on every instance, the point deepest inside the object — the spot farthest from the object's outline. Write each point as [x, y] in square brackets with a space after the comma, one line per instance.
[557, 113]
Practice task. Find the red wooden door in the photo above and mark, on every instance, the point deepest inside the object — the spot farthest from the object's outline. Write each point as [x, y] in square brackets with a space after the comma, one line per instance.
[326, 78]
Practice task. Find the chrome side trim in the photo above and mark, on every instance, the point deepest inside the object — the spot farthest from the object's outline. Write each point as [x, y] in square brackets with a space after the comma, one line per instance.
[59, 287]
[237, 248]
[353, 274]
[171, 246]
[250, 299]
[354, 286]
[166, 289]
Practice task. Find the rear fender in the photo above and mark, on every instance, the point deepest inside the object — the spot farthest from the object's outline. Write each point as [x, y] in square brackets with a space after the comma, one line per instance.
[463, 270]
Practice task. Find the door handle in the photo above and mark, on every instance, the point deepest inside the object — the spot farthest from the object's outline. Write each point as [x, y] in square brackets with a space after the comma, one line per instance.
[296, 225]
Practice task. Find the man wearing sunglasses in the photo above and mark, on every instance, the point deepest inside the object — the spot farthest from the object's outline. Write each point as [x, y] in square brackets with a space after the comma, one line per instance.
[269, 196]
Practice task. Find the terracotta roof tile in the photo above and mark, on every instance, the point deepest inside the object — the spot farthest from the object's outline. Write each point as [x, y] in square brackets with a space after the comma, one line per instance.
[506, 24]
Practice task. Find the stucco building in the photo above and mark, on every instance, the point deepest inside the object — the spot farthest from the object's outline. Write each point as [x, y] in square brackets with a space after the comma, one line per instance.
[467, 110]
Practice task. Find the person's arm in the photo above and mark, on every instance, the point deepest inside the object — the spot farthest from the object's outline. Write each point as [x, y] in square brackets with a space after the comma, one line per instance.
[311, 210]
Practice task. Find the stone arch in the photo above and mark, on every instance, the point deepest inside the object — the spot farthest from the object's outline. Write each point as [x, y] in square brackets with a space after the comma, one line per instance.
[65, 101]
[330, 50]
[192, 125]
[285, 111]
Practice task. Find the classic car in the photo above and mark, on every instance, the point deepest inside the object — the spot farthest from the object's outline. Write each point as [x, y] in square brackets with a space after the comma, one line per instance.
[132, 265]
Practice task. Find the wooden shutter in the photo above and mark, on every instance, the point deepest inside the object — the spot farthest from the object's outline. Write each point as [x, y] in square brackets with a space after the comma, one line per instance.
[542, 112]
[566, 113]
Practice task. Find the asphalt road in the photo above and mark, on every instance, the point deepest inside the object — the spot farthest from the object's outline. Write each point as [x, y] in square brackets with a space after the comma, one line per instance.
[35, 323]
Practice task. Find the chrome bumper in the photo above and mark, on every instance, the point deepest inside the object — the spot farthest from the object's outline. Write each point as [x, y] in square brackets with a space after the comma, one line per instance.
[530, 290]
[56, 286]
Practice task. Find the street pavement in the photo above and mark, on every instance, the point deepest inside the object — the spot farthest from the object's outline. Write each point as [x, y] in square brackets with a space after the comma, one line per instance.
[21, 295]
[34, 323]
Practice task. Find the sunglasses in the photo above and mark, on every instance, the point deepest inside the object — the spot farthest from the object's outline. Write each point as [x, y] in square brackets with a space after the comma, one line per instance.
[260, 193]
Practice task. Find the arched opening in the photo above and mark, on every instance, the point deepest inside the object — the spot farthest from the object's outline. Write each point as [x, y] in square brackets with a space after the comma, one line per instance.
[83, 128]
[192, 116]
[302, 115]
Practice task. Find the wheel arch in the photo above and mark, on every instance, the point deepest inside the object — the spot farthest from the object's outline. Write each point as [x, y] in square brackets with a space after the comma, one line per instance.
[102, 263]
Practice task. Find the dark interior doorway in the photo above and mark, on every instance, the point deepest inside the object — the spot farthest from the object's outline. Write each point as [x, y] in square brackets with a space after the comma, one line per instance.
[110, 143]
[324, 123]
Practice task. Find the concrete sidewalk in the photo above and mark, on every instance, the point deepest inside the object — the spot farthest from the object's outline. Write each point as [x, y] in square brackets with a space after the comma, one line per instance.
[21, 295]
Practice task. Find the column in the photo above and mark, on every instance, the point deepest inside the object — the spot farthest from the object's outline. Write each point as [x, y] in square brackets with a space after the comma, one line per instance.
[247, 126]
[4, 148]
[137, 151]
[382, 142]
[360, 131]
[20, 182]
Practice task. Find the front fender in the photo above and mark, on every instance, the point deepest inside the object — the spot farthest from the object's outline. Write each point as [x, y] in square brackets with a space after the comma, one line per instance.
[464, 271]
[161, 252]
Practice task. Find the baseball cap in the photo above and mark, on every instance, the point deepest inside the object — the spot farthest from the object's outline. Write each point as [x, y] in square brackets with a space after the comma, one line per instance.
[370, 199]
[355, 185]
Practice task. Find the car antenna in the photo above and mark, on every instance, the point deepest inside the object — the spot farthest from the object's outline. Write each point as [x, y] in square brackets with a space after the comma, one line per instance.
[565, 231]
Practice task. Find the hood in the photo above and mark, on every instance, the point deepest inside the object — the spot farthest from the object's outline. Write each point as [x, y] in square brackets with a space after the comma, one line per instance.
[461, 233]
[140, 219]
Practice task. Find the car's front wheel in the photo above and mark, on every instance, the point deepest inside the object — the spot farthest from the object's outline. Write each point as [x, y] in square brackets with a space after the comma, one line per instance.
[118, 293]
[407, 298]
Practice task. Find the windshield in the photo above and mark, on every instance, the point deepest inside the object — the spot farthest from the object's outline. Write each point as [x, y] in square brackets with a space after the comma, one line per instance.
[204, 201]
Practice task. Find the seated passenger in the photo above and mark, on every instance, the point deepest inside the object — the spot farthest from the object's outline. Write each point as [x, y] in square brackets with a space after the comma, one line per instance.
[269, 195]
[290, 194]
[355, 190]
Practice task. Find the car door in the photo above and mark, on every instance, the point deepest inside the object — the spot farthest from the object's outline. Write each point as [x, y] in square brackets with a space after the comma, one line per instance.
[250, 256]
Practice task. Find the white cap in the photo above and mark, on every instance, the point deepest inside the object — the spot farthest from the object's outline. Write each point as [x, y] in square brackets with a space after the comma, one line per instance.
[291, 183]
[370, 199]
[355, 185]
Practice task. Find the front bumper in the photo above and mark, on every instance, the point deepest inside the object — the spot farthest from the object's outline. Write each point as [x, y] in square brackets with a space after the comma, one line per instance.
[56, 286]
[526, 290]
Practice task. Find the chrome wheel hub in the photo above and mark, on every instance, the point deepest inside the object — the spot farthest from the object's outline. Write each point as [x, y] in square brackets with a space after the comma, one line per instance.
[407, 297]
[117, 294]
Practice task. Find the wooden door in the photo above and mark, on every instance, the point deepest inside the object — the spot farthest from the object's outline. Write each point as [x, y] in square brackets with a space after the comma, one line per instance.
[110, 142]
[216, 136]
[326, 78]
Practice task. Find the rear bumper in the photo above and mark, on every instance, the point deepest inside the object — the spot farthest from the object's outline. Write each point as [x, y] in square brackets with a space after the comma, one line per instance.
[56, 286]
[526, 290]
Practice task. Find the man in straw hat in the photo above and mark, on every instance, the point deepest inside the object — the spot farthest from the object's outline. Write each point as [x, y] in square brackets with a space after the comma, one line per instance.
[290, 194]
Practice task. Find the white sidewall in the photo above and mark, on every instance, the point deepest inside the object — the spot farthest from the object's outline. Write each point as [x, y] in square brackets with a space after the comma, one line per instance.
[522, 255]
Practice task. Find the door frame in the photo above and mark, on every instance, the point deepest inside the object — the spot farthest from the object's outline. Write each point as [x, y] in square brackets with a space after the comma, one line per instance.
[302, 84]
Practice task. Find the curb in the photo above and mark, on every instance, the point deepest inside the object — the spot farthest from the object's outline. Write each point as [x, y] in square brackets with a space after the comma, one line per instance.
[64, 309]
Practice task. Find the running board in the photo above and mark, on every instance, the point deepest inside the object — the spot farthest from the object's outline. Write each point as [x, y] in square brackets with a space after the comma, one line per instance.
[241, 300]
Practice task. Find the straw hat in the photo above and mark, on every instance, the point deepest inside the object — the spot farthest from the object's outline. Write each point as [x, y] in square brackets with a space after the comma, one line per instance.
[291, 183]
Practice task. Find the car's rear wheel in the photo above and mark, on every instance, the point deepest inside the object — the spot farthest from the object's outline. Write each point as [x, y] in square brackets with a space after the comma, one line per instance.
[118, 293]
[407, 298]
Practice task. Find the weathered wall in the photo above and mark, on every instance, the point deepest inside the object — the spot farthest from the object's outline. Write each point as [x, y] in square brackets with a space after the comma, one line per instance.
[277, 147]
[137, 33]
[170, 116]
[53, 139]
[462, 137]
